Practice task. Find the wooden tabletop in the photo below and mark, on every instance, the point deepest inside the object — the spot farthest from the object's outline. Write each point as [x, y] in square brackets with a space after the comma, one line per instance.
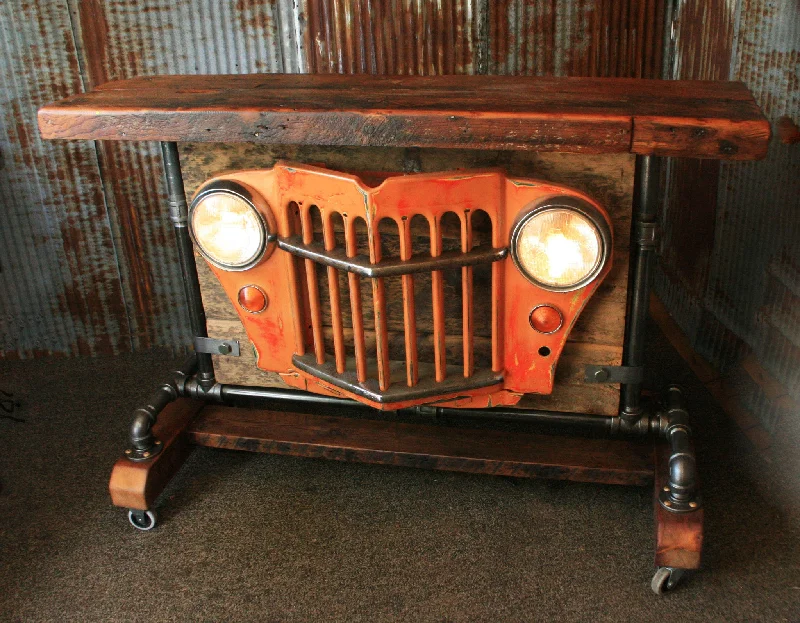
[701, 119]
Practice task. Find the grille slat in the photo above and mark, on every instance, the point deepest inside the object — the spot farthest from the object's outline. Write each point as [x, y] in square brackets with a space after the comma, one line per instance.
[437, 299]
[379, 308]
[354, 281]
[409, 309]
[329, 240]
[313, 290]
[497, 317]
[297, 303]
[466, 297]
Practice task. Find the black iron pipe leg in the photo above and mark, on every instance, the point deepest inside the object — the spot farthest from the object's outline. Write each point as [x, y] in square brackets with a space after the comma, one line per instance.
[680, 493]
[643, 244]
[143, 443]
[179, 215]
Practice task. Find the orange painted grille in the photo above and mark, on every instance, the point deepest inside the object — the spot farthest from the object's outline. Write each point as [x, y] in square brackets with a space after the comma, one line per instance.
[398, 294]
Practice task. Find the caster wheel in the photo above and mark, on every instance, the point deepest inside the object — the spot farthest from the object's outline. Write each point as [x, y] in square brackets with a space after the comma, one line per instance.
[665, 579]
[142, 520]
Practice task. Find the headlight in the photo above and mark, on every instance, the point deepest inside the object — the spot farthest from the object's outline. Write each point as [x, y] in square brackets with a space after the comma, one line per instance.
[562, 244]
[227, 227]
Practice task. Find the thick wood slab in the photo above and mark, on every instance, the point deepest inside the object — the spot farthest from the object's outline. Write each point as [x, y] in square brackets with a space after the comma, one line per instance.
[137, 485]
[679, 536]
[476, 451]
[590, 115]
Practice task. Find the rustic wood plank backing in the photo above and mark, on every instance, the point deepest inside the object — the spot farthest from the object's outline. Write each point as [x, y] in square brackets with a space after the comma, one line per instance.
[477, 451]
[598, 334]
[588, 115]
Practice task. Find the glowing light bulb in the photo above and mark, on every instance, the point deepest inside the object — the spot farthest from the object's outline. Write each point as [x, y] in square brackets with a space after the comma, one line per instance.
[558, 247]
[228, 229]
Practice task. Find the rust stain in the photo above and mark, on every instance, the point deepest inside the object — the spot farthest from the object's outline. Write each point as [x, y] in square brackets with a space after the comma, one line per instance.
[602, 38]
[705, 40]
[787, 131]
[256, 13]
[385, 37]
[94, 30]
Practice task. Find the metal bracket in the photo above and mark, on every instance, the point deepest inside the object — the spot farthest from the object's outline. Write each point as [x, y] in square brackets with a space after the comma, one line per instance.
[212, 346]
[647, 235]
[613, 374]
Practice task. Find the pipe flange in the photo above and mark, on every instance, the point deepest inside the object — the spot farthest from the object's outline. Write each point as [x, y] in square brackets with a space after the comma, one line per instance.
[138, 455]
[673, 505]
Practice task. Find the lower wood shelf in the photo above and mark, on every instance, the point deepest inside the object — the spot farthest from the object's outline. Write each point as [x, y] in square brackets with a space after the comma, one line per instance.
[610, 461]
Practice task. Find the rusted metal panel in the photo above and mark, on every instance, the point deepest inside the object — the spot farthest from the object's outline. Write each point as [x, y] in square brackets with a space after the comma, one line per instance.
[87, 261]
[60, 284]
[527, 37]
[120, 40]
[605, 38]
[413, 37]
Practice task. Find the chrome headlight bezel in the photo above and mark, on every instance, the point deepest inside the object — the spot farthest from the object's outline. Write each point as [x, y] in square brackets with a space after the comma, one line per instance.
[254, 202]
[583, 208]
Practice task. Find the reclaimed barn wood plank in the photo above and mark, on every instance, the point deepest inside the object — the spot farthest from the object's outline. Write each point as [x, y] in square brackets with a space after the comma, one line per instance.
[476, 451]
[587, 115]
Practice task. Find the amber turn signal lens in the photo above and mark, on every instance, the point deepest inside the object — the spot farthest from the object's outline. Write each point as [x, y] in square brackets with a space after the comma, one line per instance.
[546, 319]
[558, 248]
[252, 299]
[228, 230]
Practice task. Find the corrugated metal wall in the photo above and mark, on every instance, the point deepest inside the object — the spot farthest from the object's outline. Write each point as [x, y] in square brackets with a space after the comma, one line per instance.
[730, 270]
[124, 39]
[60, 286]
[87, 265]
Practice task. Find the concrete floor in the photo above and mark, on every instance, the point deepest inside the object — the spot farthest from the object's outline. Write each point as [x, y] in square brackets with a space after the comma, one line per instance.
[246, 537]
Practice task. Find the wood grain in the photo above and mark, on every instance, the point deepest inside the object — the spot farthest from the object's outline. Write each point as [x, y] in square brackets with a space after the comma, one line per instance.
[589, 115]
[598, 334]
[477, 451]
[137, 484]
[679, 536]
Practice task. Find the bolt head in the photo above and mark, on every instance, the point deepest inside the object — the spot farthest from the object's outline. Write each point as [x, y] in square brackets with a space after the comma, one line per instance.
[666, 489]
[601, 375]
[128, 451]
[667, 503]
[158, 442]
[692, 504]
[225, 349]
[145, 454]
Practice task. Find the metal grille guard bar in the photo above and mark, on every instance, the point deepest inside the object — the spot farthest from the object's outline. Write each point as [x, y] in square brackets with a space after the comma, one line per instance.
[399, 391]
[419, 263]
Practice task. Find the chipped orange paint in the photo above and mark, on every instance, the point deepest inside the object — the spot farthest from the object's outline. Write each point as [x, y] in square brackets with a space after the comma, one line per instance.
[277, 334]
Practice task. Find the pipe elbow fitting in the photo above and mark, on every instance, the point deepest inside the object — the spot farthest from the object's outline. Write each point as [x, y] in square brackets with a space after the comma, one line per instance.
[141, 430]
[682, 473]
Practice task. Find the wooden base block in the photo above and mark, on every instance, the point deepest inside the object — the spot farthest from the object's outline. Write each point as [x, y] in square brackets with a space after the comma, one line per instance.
[679, 536]
[431, 447]
[137, 484]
